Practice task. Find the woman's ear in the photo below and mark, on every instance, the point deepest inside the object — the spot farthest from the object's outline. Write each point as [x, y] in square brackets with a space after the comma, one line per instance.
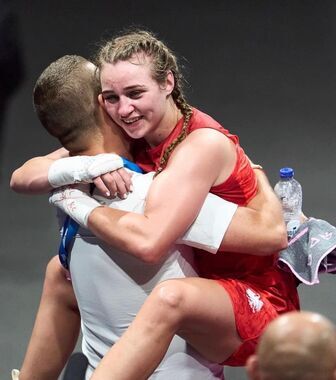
[170, 83]
[101, 100]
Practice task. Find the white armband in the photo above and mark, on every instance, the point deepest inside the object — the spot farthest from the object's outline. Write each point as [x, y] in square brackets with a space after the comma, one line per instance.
[208, 230]
[70, 170]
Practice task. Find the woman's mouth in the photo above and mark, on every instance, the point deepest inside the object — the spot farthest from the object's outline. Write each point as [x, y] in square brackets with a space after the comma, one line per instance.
[132, 120]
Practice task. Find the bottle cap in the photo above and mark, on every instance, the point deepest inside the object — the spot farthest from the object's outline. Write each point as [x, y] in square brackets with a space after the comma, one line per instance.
[286, 173]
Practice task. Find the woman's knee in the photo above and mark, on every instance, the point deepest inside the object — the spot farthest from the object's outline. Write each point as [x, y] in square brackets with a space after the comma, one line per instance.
[170, 298]
[56, 284]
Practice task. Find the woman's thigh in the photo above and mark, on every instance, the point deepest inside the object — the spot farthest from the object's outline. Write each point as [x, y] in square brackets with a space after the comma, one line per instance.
[206, 316]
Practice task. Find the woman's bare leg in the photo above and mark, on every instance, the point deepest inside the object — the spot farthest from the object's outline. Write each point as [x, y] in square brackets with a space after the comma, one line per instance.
[197, 309]
[56, 328]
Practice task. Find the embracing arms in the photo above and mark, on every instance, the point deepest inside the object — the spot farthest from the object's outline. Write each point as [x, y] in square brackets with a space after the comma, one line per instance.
[175, 198]
[174, 201]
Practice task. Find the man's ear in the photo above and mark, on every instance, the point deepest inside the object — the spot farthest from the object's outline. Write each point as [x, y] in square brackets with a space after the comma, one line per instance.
[101, 100]
[252, 368]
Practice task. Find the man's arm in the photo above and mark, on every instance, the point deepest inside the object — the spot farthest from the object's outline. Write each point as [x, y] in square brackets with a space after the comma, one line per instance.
[32, 176]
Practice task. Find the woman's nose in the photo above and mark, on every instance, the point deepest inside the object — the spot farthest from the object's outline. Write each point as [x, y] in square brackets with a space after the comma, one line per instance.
[125, 107]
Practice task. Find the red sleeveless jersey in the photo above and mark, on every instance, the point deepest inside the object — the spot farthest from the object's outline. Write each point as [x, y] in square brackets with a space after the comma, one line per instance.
[240, 187]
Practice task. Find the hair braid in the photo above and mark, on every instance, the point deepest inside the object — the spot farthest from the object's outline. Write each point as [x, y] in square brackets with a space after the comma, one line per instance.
[186, 111]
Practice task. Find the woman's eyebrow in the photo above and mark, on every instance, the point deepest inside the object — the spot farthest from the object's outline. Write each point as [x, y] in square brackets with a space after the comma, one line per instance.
[128, 88]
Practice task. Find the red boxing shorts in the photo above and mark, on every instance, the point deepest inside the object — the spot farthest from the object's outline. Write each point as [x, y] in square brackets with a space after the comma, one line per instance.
[254, 308]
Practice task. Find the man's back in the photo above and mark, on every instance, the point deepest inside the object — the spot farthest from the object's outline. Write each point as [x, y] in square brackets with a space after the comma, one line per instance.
[111, 286]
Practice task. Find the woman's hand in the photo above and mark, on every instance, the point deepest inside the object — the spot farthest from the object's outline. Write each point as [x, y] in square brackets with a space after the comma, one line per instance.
[116, 183]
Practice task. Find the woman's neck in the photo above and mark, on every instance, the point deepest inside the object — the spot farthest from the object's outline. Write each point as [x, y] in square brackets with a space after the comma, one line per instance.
[167, 124]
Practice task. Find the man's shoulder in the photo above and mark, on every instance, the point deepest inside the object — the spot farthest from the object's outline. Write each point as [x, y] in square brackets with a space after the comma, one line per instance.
[141, 183]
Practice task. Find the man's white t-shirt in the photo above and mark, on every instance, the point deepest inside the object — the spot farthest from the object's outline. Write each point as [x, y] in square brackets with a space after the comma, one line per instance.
[111, 285]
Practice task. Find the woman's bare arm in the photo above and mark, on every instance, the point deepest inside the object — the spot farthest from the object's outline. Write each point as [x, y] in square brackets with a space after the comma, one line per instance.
[258, 228]
[174, 200]
[32, 176]
[39, 175]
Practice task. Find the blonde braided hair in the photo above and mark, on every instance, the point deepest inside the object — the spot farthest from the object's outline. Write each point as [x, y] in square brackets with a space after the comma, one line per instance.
[137, 42]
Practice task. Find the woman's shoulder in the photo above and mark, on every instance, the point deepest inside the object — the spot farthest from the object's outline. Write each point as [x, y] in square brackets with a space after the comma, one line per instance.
[201, 120]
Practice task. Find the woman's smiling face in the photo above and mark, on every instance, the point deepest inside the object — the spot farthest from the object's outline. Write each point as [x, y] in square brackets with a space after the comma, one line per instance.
[133, 98]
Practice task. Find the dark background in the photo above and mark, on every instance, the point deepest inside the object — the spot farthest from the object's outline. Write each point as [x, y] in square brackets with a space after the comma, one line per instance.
[265, 69]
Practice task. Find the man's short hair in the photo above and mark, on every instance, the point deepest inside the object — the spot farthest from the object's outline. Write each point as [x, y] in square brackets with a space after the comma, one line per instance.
[66, 99]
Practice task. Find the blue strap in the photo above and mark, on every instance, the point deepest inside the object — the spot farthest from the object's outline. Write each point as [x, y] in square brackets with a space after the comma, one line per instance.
[131, 166]
[70, 227]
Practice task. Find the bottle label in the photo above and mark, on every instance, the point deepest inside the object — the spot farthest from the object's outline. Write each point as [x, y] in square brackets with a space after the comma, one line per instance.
[292, 227]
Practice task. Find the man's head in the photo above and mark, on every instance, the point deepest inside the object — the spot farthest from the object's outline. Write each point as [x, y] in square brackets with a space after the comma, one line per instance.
[296, 346]
[66, 101]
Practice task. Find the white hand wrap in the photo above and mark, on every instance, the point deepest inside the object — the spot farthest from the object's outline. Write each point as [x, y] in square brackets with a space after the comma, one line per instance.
[76, 202]
[69, 170]
[15, 374]
[208, 230]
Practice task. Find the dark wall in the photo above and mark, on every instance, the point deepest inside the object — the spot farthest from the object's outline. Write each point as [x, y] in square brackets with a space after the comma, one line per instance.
[265, 69]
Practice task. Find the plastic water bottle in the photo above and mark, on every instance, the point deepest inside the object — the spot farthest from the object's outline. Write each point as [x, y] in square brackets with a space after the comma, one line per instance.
[289, 191]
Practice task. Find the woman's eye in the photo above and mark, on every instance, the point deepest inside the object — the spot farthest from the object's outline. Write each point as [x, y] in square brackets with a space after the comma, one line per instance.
[135, 94]
[111, 98]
